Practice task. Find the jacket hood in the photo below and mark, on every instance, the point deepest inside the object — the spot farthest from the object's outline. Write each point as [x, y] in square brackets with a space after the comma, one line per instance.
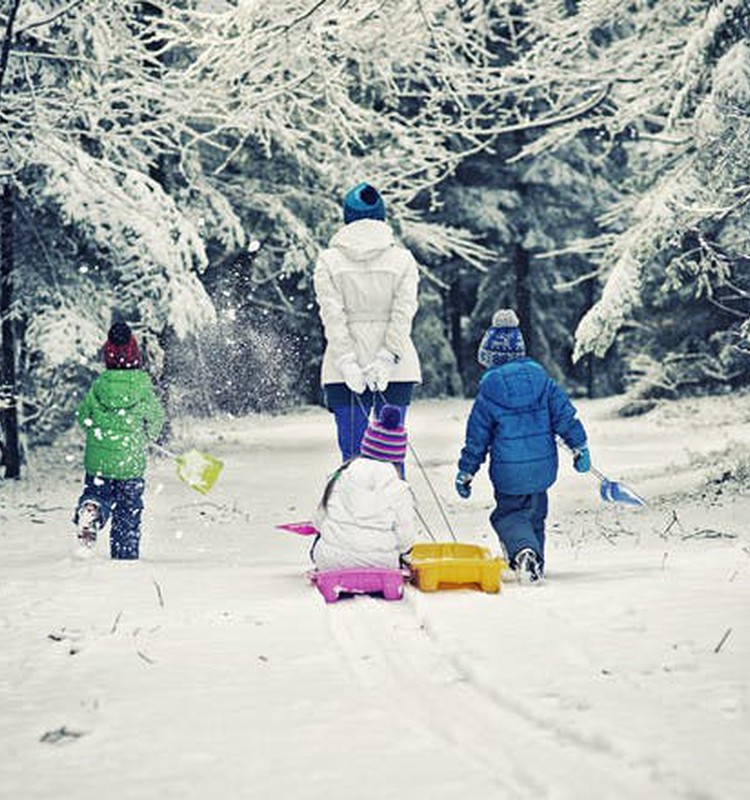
[121, 388]
[363, 240]
[518, 384]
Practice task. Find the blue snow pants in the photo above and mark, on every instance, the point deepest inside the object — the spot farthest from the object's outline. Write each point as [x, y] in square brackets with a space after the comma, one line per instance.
[122, 499]
[518, 520]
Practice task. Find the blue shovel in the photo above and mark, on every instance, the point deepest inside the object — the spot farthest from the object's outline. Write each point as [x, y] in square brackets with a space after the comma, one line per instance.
[615, 492]
[610, 491]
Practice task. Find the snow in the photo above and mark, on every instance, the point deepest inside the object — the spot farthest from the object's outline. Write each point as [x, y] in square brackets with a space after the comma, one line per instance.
[212, 668]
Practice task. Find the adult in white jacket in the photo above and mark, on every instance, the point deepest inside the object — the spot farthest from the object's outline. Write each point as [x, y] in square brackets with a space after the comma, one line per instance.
[366, 516]
[366, 288]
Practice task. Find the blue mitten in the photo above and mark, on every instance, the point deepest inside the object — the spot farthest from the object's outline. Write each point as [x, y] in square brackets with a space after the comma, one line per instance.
[463, 484]
[582, 460]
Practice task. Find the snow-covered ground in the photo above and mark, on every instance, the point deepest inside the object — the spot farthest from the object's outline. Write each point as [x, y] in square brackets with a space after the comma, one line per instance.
[211, 668]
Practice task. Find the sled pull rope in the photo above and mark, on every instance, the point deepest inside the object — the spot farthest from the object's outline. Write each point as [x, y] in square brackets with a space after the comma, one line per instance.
[424, 522]
[432, 490]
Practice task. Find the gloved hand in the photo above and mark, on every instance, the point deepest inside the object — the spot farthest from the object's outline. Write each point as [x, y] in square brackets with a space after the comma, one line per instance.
[582, 460]
[463, 484]
[352, 373]
[378, 373]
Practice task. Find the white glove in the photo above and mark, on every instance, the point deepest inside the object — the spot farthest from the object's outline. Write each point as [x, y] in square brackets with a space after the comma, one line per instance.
[378, 373]
[352, 373]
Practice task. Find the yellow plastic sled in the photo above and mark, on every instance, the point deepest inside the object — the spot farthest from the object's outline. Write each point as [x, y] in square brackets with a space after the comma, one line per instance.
[454, 564]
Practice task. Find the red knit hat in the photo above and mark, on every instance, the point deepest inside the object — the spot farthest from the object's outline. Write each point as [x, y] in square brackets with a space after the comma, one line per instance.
[385, 440]
[121, 349]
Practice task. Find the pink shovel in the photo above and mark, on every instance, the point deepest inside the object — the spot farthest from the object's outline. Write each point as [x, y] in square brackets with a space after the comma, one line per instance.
[301, 528]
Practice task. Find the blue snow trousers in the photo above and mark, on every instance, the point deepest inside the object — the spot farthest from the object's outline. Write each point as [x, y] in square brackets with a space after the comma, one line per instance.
[518, 520]
[122, 499]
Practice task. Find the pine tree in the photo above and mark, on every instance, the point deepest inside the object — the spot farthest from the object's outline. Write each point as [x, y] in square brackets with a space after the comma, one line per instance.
[677, 81]
[87, 120]
[378, 91]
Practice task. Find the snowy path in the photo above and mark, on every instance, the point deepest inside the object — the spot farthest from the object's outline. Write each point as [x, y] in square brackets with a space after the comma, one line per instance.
[211, 667]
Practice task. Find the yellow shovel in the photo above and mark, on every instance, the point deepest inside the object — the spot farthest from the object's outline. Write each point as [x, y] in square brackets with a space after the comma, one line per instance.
[199, 471]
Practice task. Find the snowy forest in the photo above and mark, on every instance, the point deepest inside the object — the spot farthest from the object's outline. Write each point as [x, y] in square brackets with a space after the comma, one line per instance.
[179, 166]
[567, 180]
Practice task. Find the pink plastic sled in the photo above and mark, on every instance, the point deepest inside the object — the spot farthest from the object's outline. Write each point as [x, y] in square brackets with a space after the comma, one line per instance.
[302, 528]
[359, 580]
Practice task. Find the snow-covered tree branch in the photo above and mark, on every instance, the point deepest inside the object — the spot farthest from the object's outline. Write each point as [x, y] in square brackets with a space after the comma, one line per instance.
[679, 85]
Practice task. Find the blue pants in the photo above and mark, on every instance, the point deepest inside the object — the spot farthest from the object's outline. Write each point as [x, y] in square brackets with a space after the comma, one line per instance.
[351, 421]
[518, 520]
[122, 499]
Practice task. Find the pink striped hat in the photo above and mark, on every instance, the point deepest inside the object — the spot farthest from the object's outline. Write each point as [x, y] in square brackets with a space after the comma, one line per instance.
[385, 440]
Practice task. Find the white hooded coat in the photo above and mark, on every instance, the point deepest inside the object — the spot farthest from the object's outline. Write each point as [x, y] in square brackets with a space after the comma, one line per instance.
[366, 287]
[369, 518]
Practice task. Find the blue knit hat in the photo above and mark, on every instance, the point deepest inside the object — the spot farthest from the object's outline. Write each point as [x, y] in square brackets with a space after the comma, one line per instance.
[502, 342]
[385, 440]
[363, 202]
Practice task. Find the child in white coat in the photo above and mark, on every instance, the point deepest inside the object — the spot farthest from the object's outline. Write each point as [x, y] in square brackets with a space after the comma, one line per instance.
[366, 515]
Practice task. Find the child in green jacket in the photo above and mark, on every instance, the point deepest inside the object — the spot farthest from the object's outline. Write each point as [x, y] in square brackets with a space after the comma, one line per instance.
[120, 415]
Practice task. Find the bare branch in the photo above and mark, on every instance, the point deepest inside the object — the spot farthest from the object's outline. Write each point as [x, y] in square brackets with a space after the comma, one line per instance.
[723, 640]
[49, 20]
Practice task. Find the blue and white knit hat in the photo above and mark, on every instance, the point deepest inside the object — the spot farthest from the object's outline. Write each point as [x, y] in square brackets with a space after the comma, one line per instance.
[385, 440]
[502, 342]
[363, 202]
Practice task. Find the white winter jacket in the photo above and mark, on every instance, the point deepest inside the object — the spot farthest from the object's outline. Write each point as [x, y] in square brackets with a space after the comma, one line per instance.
[369, 519]
[366, 287]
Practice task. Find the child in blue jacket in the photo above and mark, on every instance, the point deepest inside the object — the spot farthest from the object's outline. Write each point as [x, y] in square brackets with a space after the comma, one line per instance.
[518, 412]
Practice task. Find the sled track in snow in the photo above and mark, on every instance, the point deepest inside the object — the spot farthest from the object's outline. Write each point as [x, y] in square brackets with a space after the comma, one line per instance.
[392, 647]
[389, 651]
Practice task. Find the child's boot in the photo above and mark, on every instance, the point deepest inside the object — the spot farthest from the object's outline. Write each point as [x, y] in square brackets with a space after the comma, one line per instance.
[528, 567]
[88, 523]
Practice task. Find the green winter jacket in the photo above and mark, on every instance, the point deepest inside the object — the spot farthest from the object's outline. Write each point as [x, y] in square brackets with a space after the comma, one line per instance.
[120, 415]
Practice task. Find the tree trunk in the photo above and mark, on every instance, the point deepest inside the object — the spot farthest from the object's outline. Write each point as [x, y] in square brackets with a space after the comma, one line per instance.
[454, 320]
[7, 39]
[8, 393]
[522, 267]
[589, 356]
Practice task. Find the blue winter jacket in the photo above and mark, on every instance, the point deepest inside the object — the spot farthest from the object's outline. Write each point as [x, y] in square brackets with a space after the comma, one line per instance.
[517, 413]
